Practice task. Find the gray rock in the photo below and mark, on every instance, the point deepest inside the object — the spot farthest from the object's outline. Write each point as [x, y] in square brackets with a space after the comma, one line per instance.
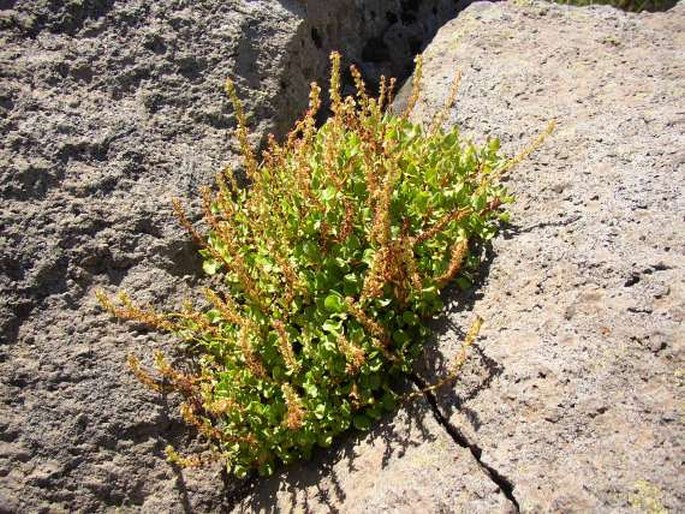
[107, 111]
[406, 464]
[573, 398]
[575, 390]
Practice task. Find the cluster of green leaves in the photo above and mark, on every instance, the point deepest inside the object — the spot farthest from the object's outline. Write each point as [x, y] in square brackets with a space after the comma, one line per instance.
[325, 270]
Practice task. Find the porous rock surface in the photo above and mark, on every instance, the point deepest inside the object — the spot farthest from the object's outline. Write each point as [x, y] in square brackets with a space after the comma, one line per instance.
[108, 109]
[573, 398]
[575, 394]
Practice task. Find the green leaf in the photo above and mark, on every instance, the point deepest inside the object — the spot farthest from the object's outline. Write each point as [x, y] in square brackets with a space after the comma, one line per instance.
[311, 389]
[410, 318]
[375, 412]
[320, 411]
[463, 283]
[210, 266]
[388, 401]
[400, 337]
[213, 315]
[266, 469]
[240, 471]
[333, 326]
[328, 194]
[334, 303]
[328, 345]
[278, 373]
[368, 256]
[361, 422]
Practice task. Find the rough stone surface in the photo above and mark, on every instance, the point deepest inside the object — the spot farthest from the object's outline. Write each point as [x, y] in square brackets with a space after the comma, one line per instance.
[575, 393]
[107, 111]
[406, 464]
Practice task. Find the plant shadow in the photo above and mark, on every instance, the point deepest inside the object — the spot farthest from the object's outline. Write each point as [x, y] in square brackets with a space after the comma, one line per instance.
[322, 482]
[449, 332]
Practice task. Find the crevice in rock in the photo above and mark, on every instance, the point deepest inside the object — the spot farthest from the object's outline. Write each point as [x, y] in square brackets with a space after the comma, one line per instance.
[503, 483]
[377, 44]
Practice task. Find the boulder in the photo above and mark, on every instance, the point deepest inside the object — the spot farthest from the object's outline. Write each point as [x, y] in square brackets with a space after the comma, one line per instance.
[408, 463]
[572, 399]
[107, 111]
[574, 392]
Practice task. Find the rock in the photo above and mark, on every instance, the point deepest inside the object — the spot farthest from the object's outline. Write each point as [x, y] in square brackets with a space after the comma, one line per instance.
[581, 357]
[570, 401]
[406, 464]
[107, 111]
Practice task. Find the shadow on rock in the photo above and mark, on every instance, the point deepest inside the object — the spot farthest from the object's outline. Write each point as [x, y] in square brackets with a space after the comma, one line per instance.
[451, 328]
[341, 477]
[328, 479]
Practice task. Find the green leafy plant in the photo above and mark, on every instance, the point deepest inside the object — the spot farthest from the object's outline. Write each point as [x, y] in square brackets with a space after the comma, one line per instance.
[325, 270]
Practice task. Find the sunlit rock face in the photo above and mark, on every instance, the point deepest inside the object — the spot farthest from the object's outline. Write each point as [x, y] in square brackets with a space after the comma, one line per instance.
[108, 109]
